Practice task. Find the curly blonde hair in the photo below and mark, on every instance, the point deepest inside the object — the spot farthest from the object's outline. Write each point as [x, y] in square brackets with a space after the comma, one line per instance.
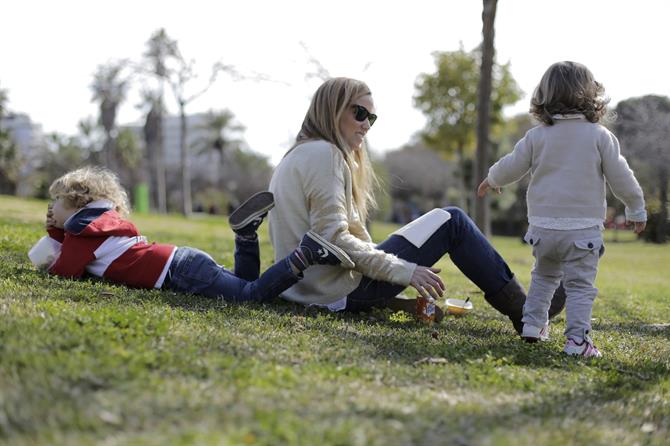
[83, 186]
[569, 87]
[330, 101]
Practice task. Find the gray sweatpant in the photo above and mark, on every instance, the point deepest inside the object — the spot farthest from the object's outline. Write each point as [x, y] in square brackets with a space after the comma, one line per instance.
[569, 255]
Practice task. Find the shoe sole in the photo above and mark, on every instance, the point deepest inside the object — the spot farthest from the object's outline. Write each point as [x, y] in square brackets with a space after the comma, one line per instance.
[582, 353]
[342, 256]
[530, 340]
[254, 207]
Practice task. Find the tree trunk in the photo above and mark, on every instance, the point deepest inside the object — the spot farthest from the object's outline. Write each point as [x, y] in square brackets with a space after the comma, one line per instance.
[662, 227]
[462, 184]
[484, 112]
[161, 192]
[109, 149]
[187, 206]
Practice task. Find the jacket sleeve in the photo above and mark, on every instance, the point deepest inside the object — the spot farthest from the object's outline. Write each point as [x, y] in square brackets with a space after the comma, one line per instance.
[513, 166]
[75, 254]
[327, 185]
[57, 234]
[621, 178]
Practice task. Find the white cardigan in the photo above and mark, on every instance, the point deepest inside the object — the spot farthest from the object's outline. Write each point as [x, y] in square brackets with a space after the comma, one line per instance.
[312, 190]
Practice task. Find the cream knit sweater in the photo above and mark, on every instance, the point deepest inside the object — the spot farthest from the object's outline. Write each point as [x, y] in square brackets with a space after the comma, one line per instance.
[312, 190]
[569, 163]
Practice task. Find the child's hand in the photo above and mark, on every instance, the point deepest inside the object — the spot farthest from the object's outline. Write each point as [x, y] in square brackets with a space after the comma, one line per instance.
[484, 187]
[638, 226]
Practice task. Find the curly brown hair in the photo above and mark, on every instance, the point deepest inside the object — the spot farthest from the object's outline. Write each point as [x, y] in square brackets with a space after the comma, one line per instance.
[83, 186]
[568, 87]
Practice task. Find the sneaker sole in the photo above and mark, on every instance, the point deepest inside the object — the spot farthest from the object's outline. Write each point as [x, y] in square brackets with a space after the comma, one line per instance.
[254, 207]
[341, 255]
[582, 353]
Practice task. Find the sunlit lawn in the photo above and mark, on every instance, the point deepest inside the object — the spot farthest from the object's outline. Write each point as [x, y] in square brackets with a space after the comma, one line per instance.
[85, 362]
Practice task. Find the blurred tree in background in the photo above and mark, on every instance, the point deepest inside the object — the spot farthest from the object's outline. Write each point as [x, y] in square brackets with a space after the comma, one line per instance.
[418, 181]
[10, 162]
[223, 136]
[109, 88]
[161, 49]
[643, 127]
[448, 98]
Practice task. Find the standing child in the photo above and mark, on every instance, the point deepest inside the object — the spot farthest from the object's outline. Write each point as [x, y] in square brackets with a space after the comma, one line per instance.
[570, 156]
[87, 225]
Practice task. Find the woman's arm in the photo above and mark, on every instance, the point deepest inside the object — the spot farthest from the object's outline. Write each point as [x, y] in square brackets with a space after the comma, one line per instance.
[327, 186]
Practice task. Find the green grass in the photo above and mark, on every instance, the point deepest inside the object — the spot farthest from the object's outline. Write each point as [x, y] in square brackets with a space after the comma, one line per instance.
[87, 362]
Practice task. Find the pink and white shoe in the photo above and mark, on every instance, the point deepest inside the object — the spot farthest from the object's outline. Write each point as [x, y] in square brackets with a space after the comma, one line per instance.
[531, 334]
[585, 348]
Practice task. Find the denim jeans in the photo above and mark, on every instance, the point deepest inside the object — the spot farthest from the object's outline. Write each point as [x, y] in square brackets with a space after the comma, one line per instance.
[459, 237]
[194, 271]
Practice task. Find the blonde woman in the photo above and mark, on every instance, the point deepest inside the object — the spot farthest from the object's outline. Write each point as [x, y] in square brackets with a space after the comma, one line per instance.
[89, 234]
[324, 184]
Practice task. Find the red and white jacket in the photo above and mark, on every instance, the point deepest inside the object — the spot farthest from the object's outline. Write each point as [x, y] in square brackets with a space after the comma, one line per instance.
[99, 241]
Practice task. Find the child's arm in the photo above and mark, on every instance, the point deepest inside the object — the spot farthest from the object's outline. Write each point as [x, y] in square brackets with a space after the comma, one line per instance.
[513, 166]
[75, 254]
[622, 181]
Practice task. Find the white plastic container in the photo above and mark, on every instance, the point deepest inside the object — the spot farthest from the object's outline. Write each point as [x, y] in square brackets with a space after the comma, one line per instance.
[45, 252]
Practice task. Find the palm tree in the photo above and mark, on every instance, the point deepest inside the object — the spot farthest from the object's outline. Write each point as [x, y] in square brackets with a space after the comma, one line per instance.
[160, 49]
[155, 159]
[221, 130]
[109, 89]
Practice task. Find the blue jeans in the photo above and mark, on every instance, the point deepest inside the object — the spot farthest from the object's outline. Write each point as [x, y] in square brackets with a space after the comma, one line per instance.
[194, 271]
[459, 237]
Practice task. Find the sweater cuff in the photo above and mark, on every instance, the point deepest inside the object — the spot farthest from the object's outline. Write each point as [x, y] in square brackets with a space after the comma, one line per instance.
[491, 182]
[640, 215]
[405, 275]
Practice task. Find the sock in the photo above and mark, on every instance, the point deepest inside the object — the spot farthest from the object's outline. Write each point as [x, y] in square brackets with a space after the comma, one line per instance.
[298, 259]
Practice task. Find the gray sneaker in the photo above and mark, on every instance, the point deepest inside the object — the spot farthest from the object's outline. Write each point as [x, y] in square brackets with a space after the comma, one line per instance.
[246, 219]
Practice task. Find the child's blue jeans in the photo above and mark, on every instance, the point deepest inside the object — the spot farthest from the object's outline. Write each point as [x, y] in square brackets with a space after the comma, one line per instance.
[459, 237]
[194, 271]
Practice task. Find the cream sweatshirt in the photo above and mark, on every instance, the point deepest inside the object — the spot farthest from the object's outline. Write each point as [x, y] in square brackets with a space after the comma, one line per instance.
[312, 190]
[569, 163]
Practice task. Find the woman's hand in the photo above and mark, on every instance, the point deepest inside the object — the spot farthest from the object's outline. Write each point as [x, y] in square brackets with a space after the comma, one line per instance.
[426, 281]
[484, 187]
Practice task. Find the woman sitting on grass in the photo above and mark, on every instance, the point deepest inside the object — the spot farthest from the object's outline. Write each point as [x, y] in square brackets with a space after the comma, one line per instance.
[86, 224]
[324, 184]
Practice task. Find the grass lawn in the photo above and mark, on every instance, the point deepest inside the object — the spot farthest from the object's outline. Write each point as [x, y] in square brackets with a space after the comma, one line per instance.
[86, 362]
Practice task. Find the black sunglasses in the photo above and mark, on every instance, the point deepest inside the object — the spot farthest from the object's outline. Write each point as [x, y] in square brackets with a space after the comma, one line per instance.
[362, 113]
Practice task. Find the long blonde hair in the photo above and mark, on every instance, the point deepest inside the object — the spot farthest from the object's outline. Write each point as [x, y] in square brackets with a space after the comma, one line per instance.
[569, 87]
[83, 186]
[330, 101]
